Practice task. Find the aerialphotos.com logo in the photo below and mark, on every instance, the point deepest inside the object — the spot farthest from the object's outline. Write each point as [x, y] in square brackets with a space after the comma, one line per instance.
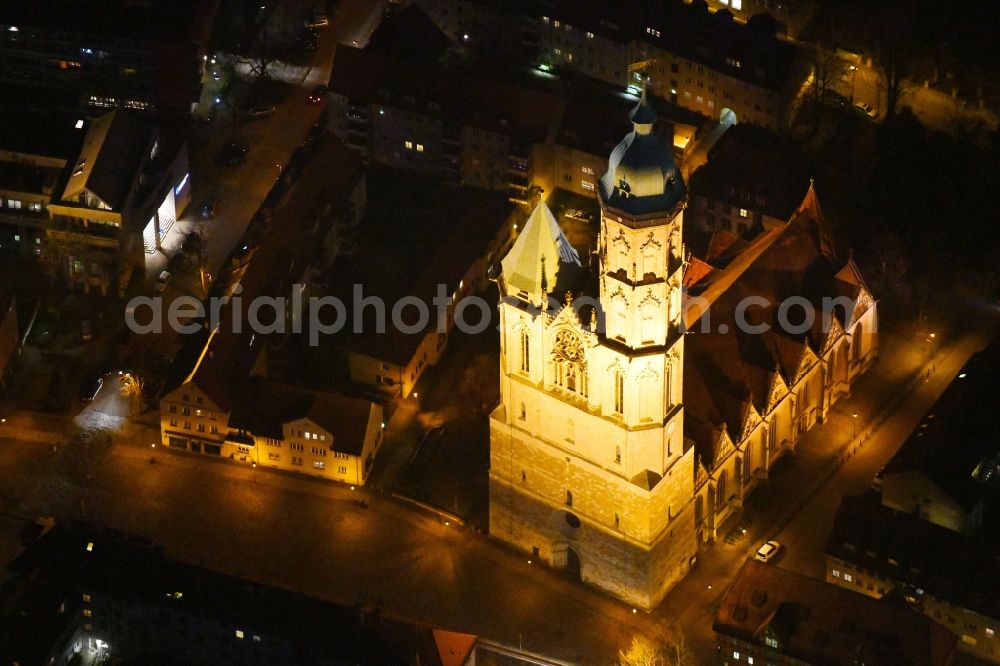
[319, 316]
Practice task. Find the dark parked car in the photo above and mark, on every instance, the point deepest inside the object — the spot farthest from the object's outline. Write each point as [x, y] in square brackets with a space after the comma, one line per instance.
[316, 94]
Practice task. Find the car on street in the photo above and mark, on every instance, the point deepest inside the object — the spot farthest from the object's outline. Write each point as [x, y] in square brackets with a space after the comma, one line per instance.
[317, 21]
[161, 282]
[577, 214]
[767, 552]
[232, 154]
[90, 388]
[866, 109]
[209, 209]
[316, 94]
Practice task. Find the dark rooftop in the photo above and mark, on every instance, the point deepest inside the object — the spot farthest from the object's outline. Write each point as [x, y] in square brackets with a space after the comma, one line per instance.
[924, 556]
[117, 569]
[753, 168]
[956, 445]
[418, 233]
[456, 95]
[820, 623]
[407, 32]
[53, 135]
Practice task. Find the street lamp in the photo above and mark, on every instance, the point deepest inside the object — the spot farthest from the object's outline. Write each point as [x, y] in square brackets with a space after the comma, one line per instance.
[854, 71]
[854, 424]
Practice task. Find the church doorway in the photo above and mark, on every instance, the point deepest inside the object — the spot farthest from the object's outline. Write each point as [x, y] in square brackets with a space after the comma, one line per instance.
[573, 563]
[727, 116]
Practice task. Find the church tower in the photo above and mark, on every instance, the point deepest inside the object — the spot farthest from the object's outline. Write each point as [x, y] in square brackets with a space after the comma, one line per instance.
[589, 469]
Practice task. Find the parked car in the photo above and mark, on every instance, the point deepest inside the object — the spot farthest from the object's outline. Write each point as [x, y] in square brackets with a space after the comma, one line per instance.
[161, 282]
[318, 21]
[316, 94]
[232, 154]
[866, 109]
[767, 552]
[209, 209]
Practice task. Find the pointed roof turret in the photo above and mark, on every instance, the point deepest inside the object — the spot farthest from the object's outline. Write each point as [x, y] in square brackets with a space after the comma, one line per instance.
[533, 261]
[642, 177]
[643, 116]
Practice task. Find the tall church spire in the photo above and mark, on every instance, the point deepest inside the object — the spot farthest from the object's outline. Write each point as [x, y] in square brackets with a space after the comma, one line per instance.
[533, 261]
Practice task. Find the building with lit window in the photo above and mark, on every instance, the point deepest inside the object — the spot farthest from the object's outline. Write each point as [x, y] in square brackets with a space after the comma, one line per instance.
[703, 61]
[107, 54]
[620, 440]
[447, 122]
[877, 551]
[82, 595]
[420, 240]
[948, 471]
[752, 181]
[773, 616]
[221, 400]
[266, 423]
[87, 194]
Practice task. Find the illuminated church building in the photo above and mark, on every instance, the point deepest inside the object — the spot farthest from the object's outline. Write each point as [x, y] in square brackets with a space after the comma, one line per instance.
[616, 448]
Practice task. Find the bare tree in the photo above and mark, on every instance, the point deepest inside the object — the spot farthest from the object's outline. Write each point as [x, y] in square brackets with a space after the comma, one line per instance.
[261, 55]
[196, 250]
[665, 647]
[893, 78]
[828, 69]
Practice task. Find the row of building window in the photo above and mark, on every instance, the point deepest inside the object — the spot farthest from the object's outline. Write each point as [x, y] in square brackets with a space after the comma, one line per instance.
[17, 204]
[201, 426]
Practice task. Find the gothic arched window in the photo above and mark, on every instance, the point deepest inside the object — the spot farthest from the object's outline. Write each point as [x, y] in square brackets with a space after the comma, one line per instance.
[525, 352]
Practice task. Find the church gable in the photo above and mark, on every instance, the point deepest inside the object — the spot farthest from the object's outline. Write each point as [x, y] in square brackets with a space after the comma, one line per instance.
[724, 447]
[862, 304]
[751, 418]
[806, 361]
[833, 333]
[777, 391]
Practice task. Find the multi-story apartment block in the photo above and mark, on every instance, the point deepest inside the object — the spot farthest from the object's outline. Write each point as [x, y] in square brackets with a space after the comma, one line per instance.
[443, 121]
[109, 54]
[771, 616]
[702, 61]
[89, 194]
[877, 551]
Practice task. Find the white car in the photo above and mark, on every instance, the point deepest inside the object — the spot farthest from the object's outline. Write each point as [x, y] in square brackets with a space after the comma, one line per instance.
[866, 109]
[767, 552]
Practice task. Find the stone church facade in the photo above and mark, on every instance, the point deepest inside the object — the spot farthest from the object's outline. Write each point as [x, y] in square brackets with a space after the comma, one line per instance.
[599, 460]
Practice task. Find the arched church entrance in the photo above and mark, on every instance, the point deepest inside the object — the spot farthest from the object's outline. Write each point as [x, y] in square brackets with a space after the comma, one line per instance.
[573, 563]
